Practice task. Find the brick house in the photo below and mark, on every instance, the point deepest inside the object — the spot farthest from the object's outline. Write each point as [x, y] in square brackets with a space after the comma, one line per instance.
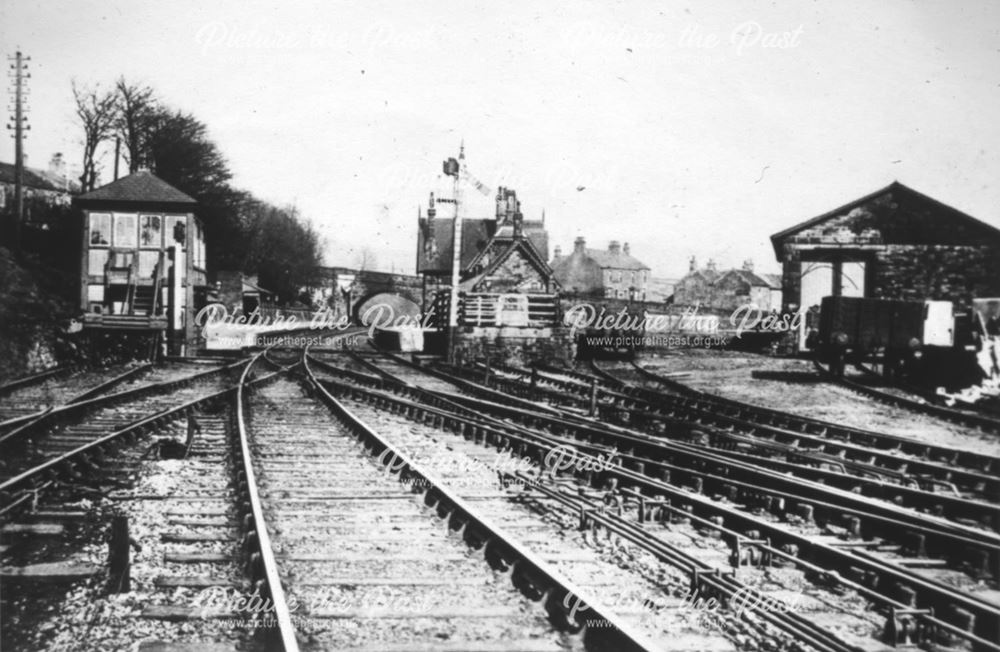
[728, 289]
[894, 243]
[611, 274]
[50, 187]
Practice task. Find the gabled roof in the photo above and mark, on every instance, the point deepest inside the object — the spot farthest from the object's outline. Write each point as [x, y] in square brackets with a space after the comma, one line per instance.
[607, 260]
[434, 241]
[36, 179]
[754, 279]
[774, 280]
[516, 244]
[142, 186]
[901, 195]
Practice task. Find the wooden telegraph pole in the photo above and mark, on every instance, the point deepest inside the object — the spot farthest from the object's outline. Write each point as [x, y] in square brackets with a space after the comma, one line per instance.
[20, 75]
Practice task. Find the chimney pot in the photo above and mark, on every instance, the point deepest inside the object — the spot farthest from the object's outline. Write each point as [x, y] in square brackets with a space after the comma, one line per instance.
[579, 245]
[625, 249]
[693, 264]
[614, 247]
[748, 265]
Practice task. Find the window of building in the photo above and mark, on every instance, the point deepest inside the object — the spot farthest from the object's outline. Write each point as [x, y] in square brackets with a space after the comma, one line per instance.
[96, 261]
[151, 231]
[100, 229]
[199, 245]
[174, 231]
[126, 230]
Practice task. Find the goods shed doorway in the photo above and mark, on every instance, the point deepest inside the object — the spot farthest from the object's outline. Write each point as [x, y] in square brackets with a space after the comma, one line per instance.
[825, 278]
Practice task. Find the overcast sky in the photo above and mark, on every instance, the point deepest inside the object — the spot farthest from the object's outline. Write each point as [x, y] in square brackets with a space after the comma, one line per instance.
[681, 128]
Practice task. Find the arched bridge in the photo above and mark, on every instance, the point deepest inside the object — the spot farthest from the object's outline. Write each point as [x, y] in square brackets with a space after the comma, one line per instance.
[347, 289]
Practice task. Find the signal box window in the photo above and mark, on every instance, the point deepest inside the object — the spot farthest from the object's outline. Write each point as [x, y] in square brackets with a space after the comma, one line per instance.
[151, 231]
[126, 232]
[100, 229]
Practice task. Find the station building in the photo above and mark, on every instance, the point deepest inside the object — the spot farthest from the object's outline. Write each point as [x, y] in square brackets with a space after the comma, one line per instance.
[508, 305]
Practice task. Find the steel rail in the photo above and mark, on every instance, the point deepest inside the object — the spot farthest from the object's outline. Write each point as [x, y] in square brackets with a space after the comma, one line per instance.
[981, 421]
[939, 592]
[80, 407]
[258, 536]
[723, 439]
[987, 513]
[95, 391]
[968, 459]
[928, 591]
[759, 421]
[557, 590]
[31, 379]
[81, 454]
[703, 575]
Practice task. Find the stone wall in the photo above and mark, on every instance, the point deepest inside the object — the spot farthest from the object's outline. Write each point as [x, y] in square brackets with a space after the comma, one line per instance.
[947, 273]
[516, 346]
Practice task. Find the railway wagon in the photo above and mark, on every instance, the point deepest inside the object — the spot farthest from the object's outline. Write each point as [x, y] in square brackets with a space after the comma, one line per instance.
[921, 342]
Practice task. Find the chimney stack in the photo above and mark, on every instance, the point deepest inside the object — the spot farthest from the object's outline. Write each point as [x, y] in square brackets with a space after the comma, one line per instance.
[711, 265]
[614, 248]
[431, 210]
[748, 265]
[557, 253]
[579, 245]
[57, 167]
[625, 249]
[693, 265]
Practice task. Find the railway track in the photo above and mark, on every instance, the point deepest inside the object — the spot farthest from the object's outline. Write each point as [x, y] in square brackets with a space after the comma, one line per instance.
[22, 400]
[958, 458]
[879, 552]
[341, 528]
[920, 405]
[788, 455]
[73, 440]
[624, 536]
[886, 458]
[338, 505]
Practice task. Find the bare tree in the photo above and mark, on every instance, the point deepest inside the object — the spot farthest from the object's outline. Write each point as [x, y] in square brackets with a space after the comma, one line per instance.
[136, 111]
[96, 110]
[365, 259]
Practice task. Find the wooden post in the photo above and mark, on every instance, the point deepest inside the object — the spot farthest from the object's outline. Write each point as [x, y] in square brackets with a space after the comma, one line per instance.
[193, 428]
[119, 577]
[534, 377]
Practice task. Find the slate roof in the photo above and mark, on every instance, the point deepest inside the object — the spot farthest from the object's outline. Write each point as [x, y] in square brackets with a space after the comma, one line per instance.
[141, 186]
[476, 235]
[607, 260]
[34, 178]
[908, 204]
[757, 280]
